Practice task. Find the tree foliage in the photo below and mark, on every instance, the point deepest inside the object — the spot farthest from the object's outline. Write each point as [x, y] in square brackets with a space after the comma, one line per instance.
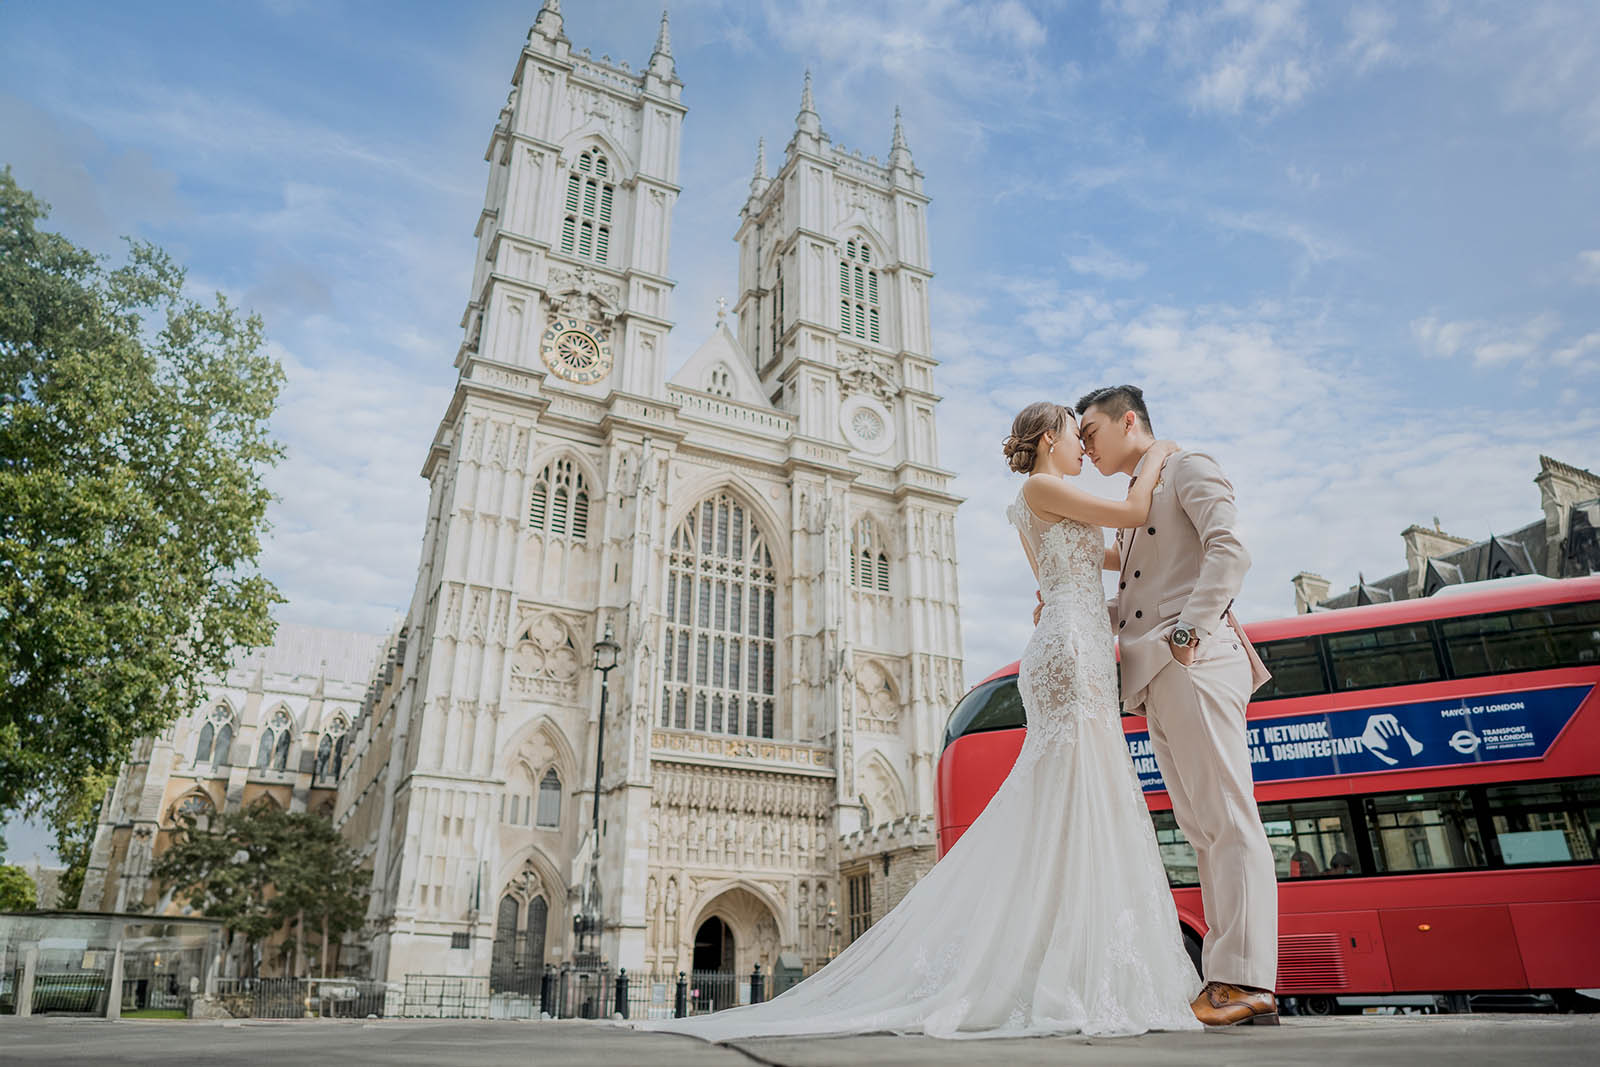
[17, 891]
[133, 445]
[262, 870]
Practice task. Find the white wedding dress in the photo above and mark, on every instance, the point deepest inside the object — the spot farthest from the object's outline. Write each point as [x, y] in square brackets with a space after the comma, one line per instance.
[1052, 913]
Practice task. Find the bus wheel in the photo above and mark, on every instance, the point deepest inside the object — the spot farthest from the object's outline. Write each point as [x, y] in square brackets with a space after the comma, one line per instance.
[1573, 1002]
[1318, 1005]
[1191, 945]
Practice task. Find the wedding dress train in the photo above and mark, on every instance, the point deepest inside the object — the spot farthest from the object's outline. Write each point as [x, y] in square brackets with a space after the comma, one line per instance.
[1052, 913]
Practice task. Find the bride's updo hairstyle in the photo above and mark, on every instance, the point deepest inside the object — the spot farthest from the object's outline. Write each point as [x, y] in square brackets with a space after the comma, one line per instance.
[1031, 424]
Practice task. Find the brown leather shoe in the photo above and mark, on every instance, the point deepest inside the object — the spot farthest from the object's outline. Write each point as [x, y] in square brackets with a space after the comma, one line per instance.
[1221, 1004]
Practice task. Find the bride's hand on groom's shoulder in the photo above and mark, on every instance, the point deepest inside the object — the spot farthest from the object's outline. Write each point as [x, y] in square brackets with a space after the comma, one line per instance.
[1165, 450]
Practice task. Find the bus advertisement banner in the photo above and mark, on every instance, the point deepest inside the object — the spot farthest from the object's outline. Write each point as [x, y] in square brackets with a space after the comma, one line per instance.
[1434, 733]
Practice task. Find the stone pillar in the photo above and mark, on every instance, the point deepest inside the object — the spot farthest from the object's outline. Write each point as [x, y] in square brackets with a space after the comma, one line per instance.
[30, 964]
[1423, 544]
[1309, 589]
[114, 983]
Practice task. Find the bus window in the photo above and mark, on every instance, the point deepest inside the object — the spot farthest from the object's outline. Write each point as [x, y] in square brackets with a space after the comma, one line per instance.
[1561, 635]
[1424, 831]
[995, 705]
[1397, 655]
[1296, 669]
[1311, 838]
[1177, 855]
[1546, 822]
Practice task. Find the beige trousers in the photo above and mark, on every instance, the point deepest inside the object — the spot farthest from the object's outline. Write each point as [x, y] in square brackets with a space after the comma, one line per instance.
[1197, 730]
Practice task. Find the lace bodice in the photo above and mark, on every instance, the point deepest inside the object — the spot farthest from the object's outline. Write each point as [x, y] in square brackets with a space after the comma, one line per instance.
[1069, 671]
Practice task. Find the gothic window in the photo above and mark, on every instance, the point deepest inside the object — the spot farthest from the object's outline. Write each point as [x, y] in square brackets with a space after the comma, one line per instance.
[516, 962]
[517, 804]
[719, 654]
[777, 311]
[869, 558]
[560, 503]
[196, 807]
[273, 753]
[550, 799]
[859, 314]
[503, 958]
[586, 224]
[216, 738]
[720, 381]
[860, 911]
[330, 750]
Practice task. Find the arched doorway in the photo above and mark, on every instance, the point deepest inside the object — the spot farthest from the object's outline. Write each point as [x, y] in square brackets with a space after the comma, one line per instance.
[715, 984]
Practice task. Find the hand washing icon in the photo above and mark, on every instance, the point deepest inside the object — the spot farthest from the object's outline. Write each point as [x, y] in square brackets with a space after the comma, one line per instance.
[1381, 729]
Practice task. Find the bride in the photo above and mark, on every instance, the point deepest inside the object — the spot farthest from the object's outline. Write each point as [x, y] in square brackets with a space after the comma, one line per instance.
[1051, 914]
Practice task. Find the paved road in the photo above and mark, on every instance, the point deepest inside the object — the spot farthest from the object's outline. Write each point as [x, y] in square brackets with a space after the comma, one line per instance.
[1459, 1040]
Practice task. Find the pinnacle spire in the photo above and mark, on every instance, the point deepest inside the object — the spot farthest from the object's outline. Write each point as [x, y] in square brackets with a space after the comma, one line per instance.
[661, 63]
[664, 37]
[899, 151]
[758, 181]
[548, 23]
[808, 121]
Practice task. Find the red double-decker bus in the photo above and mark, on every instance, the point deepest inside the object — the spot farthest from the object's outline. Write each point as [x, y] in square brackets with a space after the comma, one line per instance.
[1428, 774]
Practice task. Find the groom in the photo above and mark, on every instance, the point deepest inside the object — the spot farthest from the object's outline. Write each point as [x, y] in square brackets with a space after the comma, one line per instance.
[1187, 664]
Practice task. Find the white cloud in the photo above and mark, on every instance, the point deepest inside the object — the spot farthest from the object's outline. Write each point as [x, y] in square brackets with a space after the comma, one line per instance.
[348, 514]
[1589, 267]
[1370, 44]
[1094, 258]
[1233, 54]
[1489, 344]
[1581, 356]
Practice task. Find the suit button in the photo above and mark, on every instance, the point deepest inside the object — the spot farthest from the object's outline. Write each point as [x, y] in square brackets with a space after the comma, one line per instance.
[1122, 585]
[1136, 574]
[1151, 531]
[1138, 614]
[1121, 624]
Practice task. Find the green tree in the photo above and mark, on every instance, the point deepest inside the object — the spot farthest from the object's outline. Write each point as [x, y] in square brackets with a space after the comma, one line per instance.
[262, 870]
[133, 445]
[17, 891]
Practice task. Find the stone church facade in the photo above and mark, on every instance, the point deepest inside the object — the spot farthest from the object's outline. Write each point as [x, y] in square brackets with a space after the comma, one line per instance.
[275, 728]
[766, 534]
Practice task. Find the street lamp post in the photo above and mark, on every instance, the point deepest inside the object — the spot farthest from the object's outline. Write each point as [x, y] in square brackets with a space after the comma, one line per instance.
[605, 660]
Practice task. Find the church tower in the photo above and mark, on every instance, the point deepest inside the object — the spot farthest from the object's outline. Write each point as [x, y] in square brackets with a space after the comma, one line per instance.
[765, 535]
[531, 548]
[833, 309]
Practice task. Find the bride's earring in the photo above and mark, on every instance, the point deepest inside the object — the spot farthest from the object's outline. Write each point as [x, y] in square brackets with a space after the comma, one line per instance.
[1052, 448]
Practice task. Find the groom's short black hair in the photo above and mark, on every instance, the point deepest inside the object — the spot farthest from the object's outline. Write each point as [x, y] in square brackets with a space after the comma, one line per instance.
[1116, 401]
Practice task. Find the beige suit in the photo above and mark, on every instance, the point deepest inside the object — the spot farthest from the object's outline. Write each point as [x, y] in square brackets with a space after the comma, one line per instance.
[1185, 564]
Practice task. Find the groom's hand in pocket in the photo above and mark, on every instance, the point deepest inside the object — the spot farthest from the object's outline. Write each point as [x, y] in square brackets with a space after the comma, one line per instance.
[1184, 654]
[1038, 609]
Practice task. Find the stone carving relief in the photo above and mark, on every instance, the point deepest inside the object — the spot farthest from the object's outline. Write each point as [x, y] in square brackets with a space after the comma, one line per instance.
[868, 375]
[578, 293]
[877, 706]
[588, 105]
[737, 818]
[527, 884]
[546, 662]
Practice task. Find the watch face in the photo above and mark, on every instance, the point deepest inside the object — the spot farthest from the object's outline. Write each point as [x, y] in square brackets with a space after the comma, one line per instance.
[575, 350]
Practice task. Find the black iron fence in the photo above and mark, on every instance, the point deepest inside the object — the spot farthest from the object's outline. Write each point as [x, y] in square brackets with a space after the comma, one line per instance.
[302, 998]
[81, 992]
[583, 993]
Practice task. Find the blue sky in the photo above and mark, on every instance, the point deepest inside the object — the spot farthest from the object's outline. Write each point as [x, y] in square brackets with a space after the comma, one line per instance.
[1352, 249]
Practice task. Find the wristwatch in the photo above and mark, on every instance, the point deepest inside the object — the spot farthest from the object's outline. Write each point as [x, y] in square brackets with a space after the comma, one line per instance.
[1185, 636]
